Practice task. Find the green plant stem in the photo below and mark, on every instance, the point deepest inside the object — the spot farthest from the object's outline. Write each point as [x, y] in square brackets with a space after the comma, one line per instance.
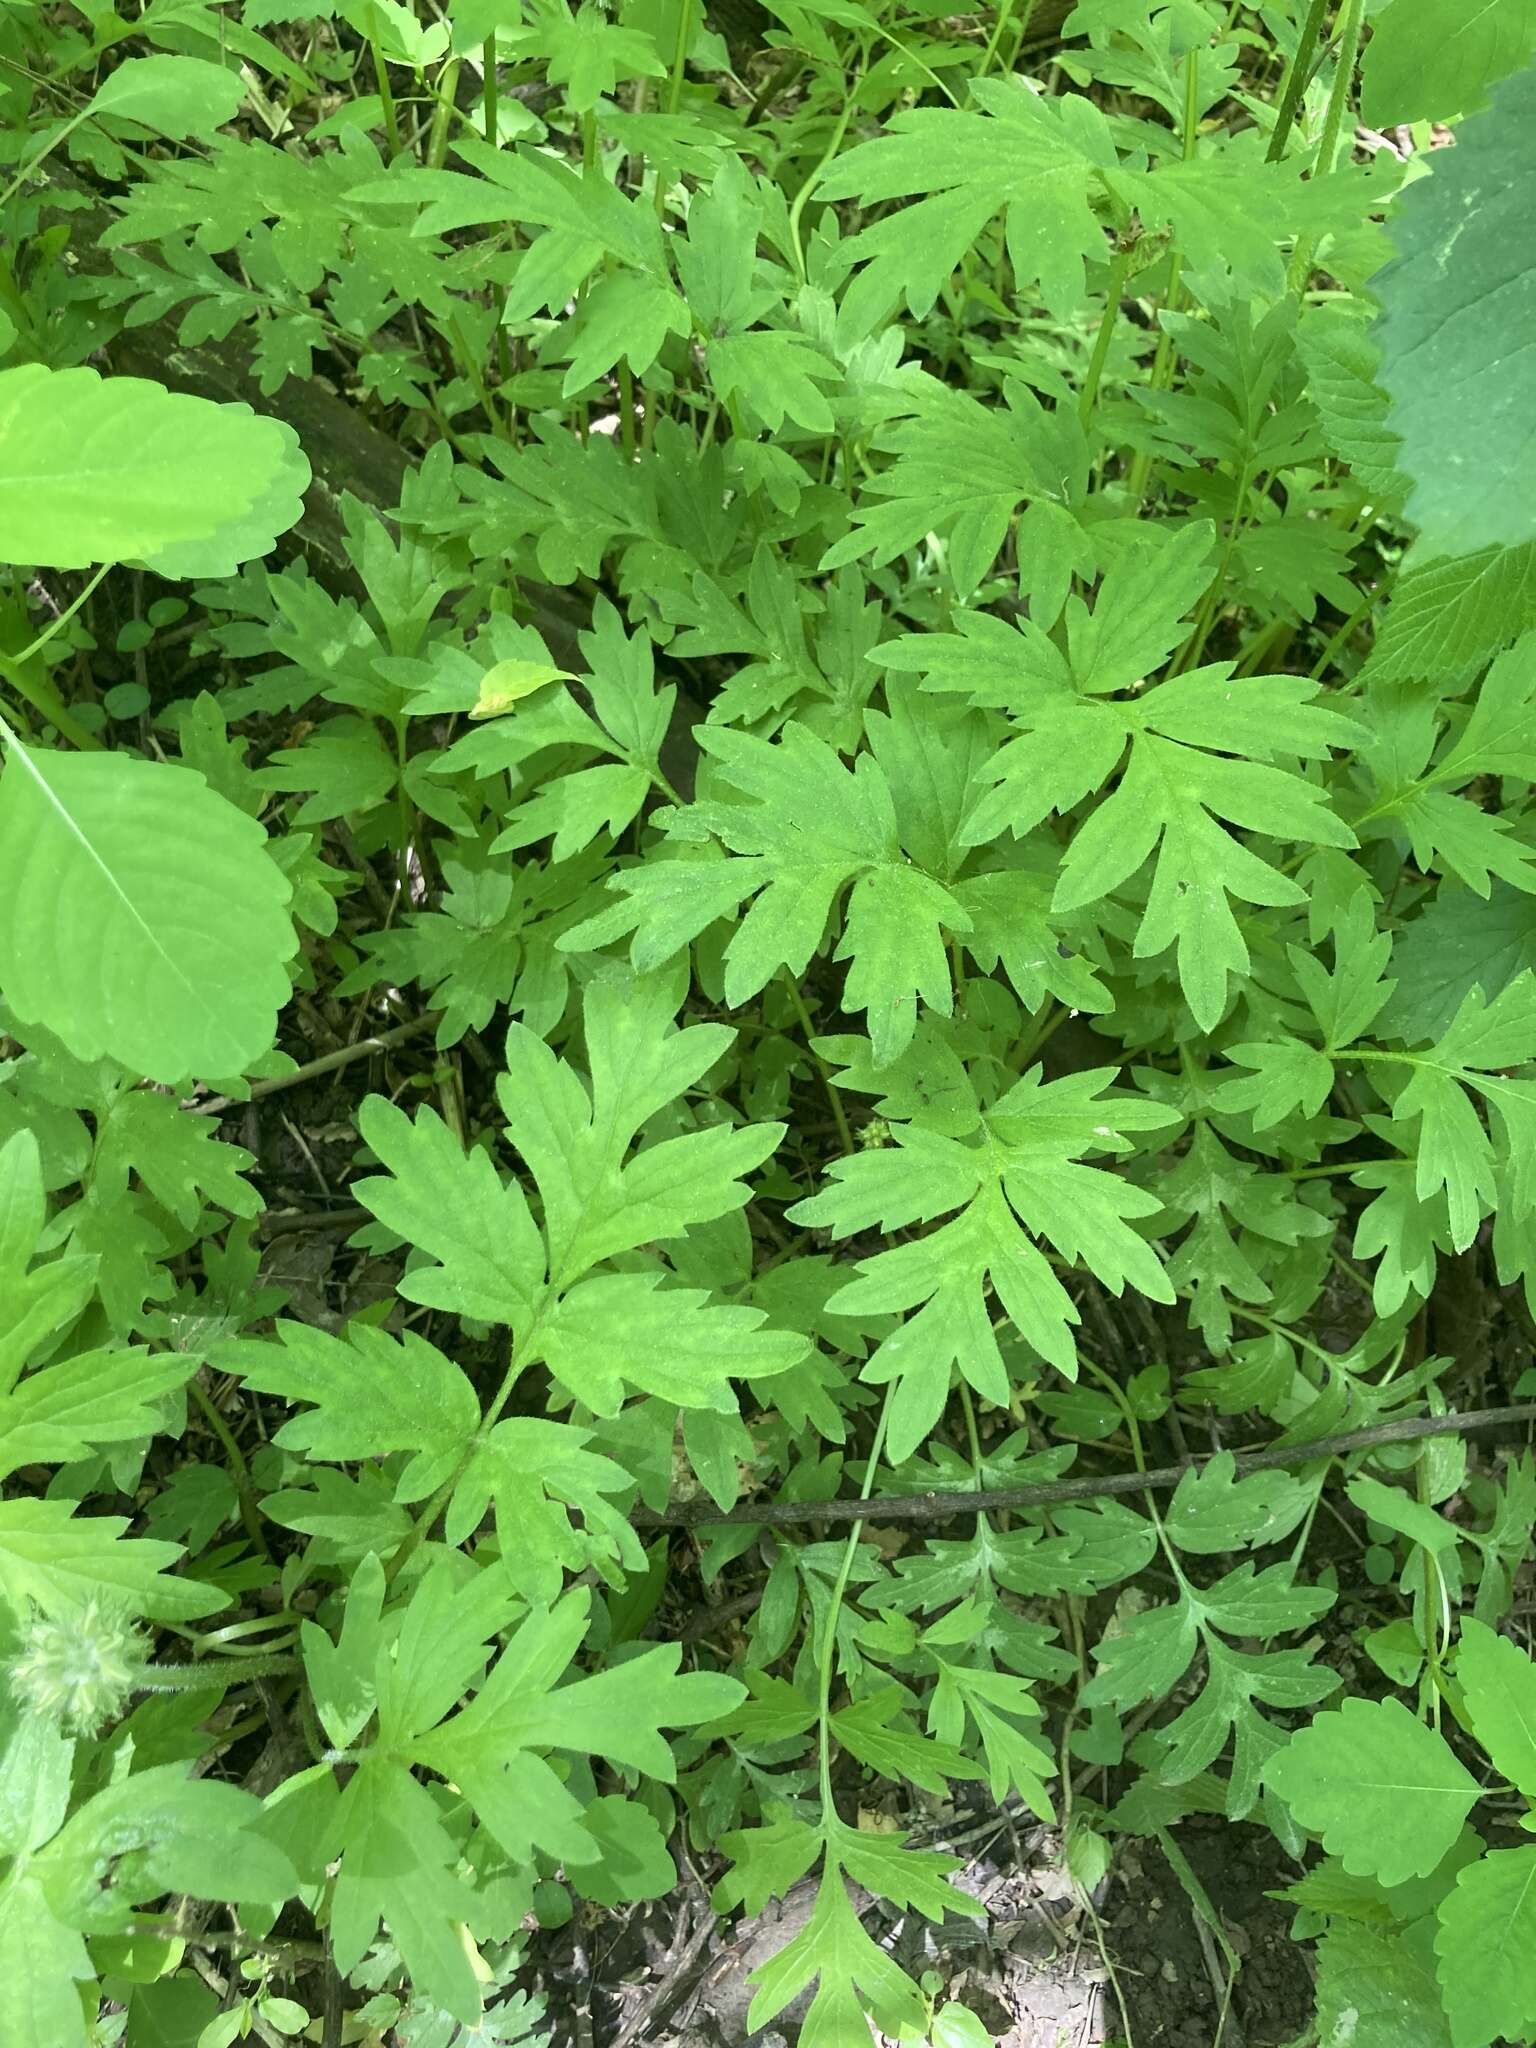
[1173, 293]
[240, 1472]
[807, 1031]
[45, 700]
[1297, 74]
[827, 1653]
[1119, 270]
[1348, 43]
[211, 1677]
[57, 625]
[41, 157]
[386, 97]
[999, 23]
[798, 204]
[1357, 617]
[37, 690]
[326, 1063]
[445, 88]
[973, 1437]
[489, 89]
[769, 91]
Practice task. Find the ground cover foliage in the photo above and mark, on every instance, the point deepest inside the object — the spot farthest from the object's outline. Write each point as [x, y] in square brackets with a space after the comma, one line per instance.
[901, 865]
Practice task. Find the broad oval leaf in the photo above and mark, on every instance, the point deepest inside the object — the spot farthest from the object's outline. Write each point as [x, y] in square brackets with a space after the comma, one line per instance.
[1486, 1945]
[176, 96]
[118, 469]
[248, 534]
[1457, 311]
[1386, 1794]
[141, 916]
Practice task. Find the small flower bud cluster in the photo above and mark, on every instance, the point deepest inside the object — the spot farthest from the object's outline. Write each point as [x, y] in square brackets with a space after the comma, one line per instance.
[79, 1668]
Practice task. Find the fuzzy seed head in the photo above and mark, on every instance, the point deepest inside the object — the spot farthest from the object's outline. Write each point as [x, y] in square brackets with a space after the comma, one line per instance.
[78, 1669]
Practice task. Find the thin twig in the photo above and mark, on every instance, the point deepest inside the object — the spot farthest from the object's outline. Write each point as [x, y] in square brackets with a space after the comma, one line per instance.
[938, 1507]
[327, 1063]
[674, 1972]
[289, 1222]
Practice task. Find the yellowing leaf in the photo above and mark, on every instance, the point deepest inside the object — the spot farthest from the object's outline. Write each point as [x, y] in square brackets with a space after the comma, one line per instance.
[504, 685]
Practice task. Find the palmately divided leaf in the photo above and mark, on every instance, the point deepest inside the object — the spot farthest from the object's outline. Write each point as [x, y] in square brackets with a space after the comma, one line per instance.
[55, 1560]
[371, 1395]
[1022, 1176]
[811, 827]
[143, 917]
[618, 1329]
[454, 1206]
[100, 1397]
[1036, 160]
[853, 1976]
[576, 1135]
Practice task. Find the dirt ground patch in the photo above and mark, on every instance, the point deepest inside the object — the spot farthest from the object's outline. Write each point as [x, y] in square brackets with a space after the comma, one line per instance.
[1032, 1971]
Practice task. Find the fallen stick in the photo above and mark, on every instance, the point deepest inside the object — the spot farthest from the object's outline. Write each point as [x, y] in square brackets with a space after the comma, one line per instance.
[939, 1507]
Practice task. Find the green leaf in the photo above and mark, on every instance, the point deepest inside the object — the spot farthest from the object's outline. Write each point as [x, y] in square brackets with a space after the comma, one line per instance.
[627, 1328]
[1376, 1987]
[1486, 1946]
[1020, 1177]
[1429, 60]
[180, 1159]
[1284, 1076]
[118, 469]
[1201, 760]
[1395, 1509]
[398, 1865]
[162, 1831]
[1452, 1150]
[1342, 367]
[812, 828]
[1223, 1710]
[1498, 1682]
[536, 1471]
[454, 1205]
[100, 1397]
[37, 1302]
[773, 377]
[143, 917]
[43, 1965]
[1143, 1657]
[960, 471]
[576, 1136]
[1385, 1793]
[244, 536]
[635, 1863]
[874, 1731]
[342, 1675]
[492, 1748]
[57, 1560]
[851, 1972]
[1034, 160]
[1447, 618]
[179, 97]
[1459, 287]
[373, 1395]
[1211, 1511]
[1459, 941]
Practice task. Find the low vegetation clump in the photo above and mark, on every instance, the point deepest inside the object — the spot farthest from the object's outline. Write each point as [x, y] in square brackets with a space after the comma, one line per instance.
[768, 1006]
